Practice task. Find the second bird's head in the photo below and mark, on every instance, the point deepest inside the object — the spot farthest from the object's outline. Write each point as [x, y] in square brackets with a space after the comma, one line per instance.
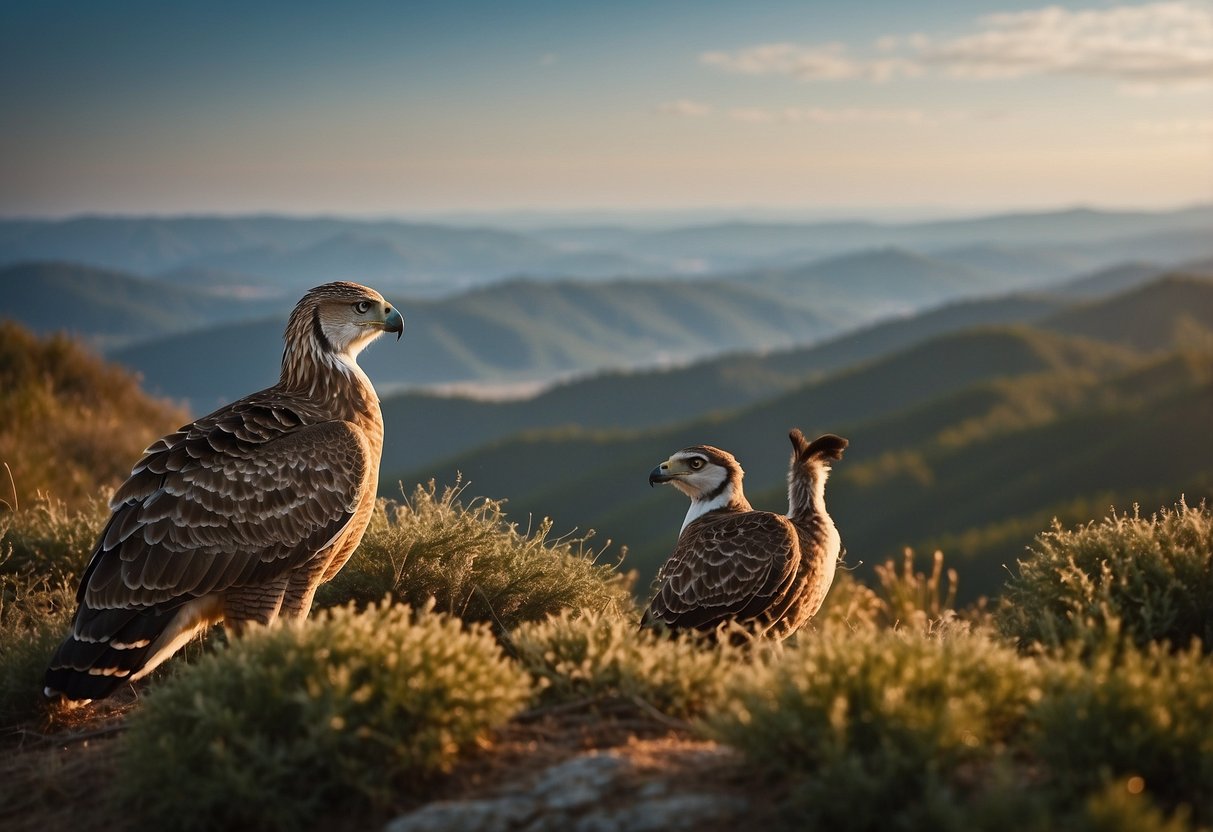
[700, 472]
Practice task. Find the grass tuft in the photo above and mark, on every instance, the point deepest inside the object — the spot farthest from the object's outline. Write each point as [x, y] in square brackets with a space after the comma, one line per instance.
[473, 563]
[598, 657]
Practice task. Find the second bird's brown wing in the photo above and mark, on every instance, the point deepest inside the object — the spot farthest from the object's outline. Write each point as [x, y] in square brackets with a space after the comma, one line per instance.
[727, 567]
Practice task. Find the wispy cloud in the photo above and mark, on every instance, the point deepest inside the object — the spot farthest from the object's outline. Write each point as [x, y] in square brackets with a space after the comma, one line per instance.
[1176, 128]
[685, 107]
[824, 62]
[1145, 47]
[818, 115]
[1156, 43]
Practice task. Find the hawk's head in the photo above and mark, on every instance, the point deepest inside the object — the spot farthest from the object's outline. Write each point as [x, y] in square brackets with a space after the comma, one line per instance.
[330, 325]
[343, 318]
[700, 471]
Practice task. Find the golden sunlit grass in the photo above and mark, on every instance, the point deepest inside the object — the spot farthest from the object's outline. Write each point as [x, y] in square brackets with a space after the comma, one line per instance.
[72, 423]
[474, 563]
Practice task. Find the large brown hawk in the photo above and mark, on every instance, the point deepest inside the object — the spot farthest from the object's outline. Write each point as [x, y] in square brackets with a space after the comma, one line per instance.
[242, 514]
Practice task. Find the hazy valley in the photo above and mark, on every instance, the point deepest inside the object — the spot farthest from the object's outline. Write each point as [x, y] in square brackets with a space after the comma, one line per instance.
[991, 373]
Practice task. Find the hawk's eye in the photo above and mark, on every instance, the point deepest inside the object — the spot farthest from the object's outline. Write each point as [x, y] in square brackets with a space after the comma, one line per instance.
[696, 464]
[362, 306]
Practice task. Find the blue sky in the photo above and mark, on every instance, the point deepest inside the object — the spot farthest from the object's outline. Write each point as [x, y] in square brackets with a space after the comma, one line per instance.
[410, 108]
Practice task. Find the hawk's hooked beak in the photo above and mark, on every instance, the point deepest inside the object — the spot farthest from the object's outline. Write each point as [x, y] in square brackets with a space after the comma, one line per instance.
[394, 322]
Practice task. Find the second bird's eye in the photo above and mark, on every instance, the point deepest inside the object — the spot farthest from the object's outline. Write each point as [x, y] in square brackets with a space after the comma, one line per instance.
[696, 464]
[362, 306]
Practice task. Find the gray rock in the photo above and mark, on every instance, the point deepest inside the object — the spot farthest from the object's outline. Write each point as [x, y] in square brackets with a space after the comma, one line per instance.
[599, 791]
[496, 815]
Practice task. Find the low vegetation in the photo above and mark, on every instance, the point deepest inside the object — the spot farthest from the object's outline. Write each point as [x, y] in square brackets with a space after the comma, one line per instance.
[43, 547]
[342, 713]
[1144, 579]
[474, 563]
[893, 710]
[71, 423]
[600, 659]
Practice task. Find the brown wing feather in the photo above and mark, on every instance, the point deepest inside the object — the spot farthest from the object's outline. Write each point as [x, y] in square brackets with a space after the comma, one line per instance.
[232, 500]
[732, 566]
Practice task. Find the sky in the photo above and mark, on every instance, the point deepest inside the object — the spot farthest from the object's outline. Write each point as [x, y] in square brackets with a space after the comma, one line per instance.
[406, 109]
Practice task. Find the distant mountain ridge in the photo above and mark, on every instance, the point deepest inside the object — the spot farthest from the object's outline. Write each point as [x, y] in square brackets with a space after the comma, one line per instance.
[435, 258]
[512, 332]
[108, 308]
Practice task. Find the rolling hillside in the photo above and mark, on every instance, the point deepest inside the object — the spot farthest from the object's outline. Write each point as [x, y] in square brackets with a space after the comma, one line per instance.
[662, 397]
[514, 332]
[655, 398]
[70, 423]
[541, 331]
[883, 281]
[108, 308]
[1175, 311]
[974, 400]
[596, 479]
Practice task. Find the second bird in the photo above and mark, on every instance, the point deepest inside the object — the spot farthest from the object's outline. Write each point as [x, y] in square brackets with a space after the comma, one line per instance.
[767, 572]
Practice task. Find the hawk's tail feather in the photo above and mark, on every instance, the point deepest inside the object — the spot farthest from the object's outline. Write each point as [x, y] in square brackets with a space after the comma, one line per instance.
[110, 648]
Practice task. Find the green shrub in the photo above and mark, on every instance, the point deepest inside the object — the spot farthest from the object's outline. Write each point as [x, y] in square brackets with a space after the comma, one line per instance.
[1130, 713]
[1139, 579]
[877, 730]
[298, 721]
[600, 657]
[475, 564]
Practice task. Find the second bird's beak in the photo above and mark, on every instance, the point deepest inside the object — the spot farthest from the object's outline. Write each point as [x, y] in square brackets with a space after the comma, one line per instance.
[394, 322]
[660, 474]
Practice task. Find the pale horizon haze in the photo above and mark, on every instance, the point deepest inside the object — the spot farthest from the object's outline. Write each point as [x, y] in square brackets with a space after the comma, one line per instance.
[414, 109]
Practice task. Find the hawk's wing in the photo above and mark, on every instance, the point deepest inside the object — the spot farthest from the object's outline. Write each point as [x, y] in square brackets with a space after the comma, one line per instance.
[728, 567]
[232, 500]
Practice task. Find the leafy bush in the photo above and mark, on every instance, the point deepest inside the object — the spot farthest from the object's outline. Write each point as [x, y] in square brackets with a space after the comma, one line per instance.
[1129, 577]
[475, 564]
[598, 657]
[1130, 713]
[877, 726]
[338, 713]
